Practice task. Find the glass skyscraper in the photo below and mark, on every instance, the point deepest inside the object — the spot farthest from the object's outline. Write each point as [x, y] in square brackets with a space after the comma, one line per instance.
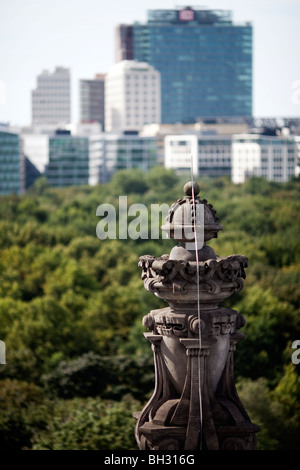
[205, 61]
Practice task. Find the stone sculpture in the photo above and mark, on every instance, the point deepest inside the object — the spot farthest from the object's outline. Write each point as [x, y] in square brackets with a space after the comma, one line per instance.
[195, 404]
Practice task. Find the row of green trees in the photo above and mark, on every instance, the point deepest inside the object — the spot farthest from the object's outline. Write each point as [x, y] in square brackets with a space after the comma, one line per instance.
[71, 307]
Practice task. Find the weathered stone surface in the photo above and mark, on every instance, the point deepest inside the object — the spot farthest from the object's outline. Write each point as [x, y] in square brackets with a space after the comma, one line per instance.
[194, 404]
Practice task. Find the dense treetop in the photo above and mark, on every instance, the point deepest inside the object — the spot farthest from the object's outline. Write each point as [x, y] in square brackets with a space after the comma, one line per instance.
[71, 307]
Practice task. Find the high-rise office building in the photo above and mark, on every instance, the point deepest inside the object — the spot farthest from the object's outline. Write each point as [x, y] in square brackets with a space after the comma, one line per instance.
[51, 100]
[204, 58]
[92, 100]
[132, 96]
[124, 42]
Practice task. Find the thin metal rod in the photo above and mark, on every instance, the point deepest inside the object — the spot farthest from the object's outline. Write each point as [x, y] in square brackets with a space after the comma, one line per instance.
[198, 299]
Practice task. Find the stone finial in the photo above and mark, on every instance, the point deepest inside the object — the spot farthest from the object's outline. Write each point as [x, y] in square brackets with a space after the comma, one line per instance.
[181, 215]
[194, 337]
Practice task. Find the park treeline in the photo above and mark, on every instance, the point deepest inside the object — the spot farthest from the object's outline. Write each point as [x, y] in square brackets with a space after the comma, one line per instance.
[71, 309]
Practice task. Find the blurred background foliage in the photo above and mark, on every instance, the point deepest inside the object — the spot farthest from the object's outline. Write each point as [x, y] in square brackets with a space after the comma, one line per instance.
[71, 308]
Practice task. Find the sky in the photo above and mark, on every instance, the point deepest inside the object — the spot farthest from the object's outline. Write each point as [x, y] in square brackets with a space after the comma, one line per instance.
[37, 35]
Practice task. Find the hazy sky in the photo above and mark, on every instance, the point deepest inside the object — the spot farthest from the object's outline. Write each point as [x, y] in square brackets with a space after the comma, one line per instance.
[79, 34]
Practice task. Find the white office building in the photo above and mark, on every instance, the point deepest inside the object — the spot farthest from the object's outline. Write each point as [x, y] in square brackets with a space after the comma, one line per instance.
[51, 100]
[36, 149]
[96, 159]
[181, 152]
[208, 155]
[132, 96]
[270, 157]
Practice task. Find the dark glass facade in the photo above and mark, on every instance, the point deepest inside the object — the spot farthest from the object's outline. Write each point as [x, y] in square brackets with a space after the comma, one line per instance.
[68, 161]
[205, 61]
[124, 42]
[92, 100]
[11, 170]
[127, 152]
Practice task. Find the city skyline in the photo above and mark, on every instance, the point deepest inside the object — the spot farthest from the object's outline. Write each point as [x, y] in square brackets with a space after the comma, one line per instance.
[81, 36]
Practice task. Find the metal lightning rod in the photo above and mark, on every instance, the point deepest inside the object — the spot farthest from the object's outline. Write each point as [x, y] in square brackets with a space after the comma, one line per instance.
[198, 297]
